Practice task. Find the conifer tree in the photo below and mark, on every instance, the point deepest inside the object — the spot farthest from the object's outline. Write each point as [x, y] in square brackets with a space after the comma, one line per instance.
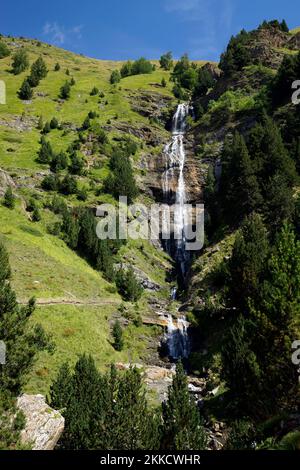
[77, 164]
[25, 92]
[248, 261]
[70, 229]
[84, 407]
[135, 426]
[182, 425]
[20, 62]
[38, 72]
[284, 26]
[166, 61]
[239, 192]
[61, 388]
[118, 336]
[65, 91]
[45, 154]
[115, 77]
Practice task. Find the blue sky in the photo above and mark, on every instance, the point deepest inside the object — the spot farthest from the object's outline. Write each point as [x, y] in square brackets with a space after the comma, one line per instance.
[127, 29]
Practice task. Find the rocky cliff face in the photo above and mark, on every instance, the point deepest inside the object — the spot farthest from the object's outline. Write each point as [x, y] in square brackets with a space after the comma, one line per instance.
[44, 425]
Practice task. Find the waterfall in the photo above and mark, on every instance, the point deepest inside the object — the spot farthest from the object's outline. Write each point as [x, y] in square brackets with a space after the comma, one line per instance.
[177, 338]
[173, 182]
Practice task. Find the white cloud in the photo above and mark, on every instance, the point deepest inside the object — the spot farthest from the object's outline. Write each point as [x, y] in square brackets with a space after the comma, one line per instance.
[60, 34]
[184, 5]
[212, 18]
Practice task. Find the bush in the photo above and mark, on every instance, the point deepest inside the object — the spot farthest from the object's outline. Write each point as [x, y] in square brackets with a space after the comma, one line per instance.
[57, 67]
[59, 162]
[50, 183]
[94, 91]
[46, 128]
[77, 164]
[140, 66]
[9, 198]
[68, 185]
[4, 51]
[36, 215]
[54, 123]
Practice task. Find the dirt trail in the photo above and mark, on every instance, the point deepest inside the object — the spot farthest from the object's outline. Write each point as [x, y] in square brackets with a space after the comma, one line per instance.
[76, 302]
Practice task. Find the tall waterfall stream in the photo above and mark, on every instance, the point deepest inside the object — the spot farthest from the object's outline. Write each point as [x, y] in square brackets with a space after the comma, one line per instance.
[173, 181]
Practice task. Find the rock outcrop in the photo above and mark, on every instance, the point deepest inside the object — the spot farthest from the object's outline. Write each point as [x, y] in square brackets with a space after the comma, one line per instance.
[44, 425]
[5, 182]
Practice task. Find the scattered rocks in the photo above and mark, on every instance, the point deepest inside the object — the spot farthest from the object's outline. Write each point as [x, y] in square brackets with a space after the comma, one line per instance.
[5, 182]
[44, 425]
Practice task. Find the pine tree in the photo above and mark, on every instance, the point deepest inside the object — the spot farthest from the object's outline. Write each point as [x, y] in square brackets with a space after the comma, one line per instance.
[239, 191]
[118, 336]
[135, 427]
[128, 286]
[38, 72]
[40, 123]
[70, 229]
[284, 26]
[121, 181]
[59, 162]
[47, 128]
[86, 123]
[248, 261]
[241, 369]
[182, 425]
[61, 388]
[115, 77]
[57, 67]
[20, 62]
[84, 408]
[45, 154]
[274, 316]
[77, 164]
[166, 61]
[9, 198]
[163, 82]
[68, 185]
[25, 92]
[65, 91]
[279, 206]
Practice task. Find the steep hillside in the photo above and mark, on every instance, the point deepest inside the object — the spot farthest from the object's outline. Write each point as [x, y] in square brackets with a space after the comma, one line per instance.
[75, 302]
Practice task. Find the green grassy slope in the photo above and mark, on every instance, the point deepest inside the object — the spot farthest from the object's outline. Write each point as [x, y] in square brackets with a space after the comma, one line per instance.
[75, 303]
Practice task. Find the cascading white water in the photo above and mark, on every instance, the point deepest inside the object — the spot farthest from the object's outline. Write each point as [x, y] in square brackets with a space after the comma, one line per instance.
[175, 161]
[177, 335]
[177, 338]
